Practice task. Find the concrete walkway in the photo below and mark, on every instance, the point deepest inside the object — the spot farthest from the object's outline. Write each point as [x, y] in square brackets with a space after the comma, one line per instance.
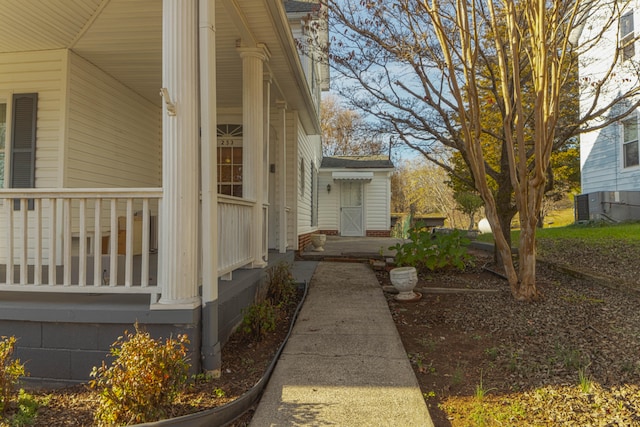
[344, 364]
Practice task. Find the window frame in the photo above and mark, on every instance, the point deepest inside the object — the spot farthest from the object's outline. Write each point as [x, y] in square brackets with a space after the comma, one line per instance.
[631, 121]
[627, 39]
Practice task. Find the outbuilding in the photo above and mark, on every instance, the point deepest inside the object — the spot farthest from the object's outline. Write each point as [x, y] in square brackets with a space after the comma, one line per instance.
[354, 196]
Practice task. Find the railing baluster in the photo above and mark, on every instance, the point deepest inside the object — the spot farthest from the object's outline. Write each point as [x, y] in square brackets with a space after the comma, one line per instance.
[8, 203]
[82, 244]
[24, 219]
[128, 269]
[113, 240]
[66, 241]
[97, 243]
[37, 237]
[52, 240]
[144, 269]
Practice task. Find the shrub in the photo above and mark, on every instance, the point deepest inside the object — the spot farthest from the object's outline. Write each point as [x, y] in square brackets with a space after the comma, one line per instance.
[259, 319]
[282, 287]
[143, 381]
[10, 372]
[432, 251]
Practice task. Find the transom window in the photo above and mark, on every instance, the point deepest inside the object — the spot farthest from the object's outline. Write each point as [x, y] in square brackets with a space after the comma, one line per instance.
[627, 36]
[230, 160]
[630, 150]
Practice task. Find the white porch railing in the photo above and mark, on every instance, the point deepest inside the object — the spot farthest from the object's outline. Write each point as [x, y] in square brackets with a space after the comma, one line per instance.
[235, 228]
[79, 240]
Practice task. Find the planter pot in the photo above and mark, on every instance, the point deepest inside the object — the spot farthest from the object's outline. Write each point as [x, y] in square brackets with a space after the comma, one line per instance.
[318, 241]
[404, 279]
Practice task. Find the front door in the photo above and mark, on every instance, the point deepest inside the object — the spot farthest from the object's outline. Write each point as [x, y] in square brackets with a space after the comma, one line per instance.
[351, 212]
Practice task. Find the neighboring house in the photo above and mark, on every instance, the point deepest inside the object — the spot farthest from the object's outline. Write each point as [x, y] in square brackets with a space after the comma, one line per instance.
[355, 196]
[155, 157]
[610, 157]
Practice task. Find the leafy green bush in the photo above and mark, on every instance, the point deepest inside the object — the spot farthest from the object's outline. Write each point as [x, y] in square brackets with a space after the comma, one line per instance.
[10, 371]
[432, 251]
[143, 381]
[259, 319]
[282, 287]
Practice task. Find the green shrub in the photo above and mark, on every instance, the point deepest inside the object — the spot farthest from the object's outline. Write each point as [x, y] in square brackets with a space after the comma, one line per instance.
[432, 251]
[259, 319]
[10, 371]
[143, 381]
[282, 287]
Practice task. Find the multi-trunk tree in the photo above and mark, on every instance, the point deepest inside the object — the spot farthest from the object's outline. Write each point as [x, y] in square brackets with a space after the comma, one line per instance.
[431, 72]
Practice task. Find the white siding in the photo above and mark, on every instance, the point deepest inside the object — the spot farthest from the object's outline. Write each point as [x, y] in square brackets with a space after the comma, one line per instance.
[601, 150]
[114, 135]
[377, 202]
[329, 203]
[309, 153]
[292, 179]
[41, 72]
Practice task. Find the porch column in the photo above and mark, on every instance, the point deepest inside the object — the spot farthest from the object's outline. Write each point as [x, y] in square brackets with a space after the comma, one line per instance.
[281, 127]
[178, 249]
[253, 128]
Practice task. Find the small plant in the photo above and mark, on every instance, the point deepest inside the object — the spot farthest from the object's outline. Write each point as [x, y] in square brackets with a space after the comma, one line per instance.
[219, 393]
[458, 375]
[259, 319]
[282, 287]
[143, 381]
[492, 353]
[27, 409]
[585, 381]
[10, 371]
[432, 251]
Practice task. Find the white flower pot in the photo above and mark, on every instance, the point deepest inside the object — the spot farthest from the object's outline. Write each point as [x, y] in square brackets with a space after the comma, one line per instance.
[404, 279]
[318, 241]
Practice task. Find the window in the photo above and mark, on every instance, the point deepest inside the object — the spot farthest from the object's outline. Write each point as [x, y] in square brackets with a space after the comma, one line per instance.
[630, 152]
[627, 36]
[230, 160]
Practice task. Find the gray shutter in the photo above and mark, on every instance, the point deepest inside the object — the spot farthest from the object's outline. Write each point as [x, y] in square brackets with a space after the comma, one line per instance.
[23, 141]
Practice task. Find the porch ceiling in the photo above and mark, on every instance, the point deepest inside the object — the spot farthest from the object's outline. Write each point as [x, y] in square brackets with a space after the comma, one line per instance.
[124, 38]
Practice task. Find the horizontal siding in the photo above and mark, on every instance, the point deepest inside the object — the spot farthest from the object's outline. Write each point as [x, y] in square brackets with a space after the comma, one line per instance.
[114, 135]
[305, 154]
[329, 203]
[40, 72]
[377, 203]
[292, 179]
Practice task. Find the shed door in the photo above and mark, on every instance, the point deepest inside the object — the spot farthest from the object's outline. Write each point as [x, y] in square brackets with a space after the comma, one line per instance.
[351, 213]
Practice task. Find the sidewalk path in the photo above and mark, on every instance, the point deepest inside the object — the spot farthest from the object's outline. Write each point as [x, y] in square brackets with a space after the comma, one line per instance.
[344, 364]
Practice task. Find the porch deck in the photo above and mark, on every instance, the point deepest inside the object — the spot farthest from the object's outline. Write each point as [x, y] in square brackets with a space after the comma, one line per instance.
[353, 248]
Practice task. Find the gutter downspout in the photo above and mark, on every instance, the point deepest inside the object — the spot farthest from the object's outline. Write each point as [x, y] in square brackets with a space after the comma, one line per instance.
[210, 351]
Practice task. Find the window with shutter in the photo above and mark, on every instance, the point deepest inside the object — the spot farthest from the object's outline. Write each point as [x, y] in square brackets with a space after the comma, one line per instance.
[23, 141]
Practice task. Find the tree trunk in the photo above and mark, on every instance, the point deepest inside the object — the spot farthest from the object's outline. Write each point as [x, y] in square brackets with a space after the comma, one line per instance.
[471, 221]
[526, 290]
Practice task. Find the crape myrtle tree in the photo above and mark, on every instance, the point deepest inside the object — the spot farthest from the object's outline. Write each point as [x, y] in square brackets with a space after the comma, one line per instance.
[430, 72]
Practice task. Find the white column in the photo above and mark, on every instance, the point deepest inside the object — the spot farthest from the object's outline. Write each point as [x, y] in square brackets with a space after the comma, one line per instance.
[177, 262]
[281, 126]
[253, 140]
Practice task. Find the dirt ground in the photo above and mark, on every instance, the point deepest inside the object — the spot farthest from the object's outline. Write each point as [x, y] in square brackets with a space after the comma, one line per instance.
[481, 358]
